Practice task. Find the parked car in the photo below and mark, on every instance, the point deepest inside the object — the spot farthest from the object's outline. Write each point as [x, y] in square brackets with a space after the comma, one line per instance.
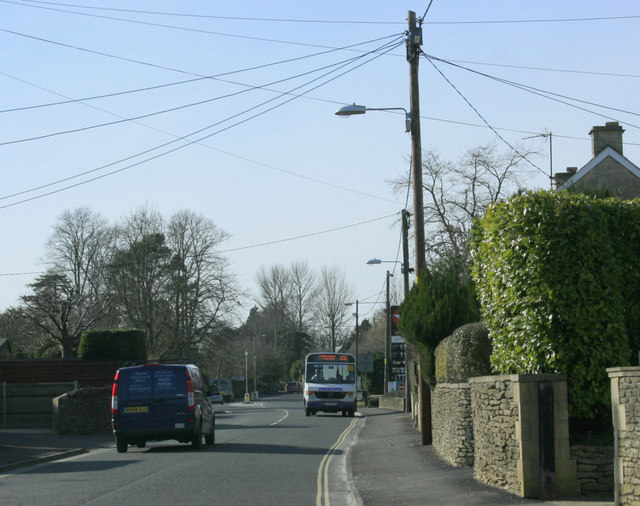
[215, 396]
[156, 402]
[293, 387]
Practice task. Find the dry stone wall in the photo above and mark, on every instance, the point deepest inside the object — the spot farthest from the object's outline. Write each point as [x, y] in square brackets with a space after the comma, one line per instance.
[625, 405]
[83, 411]
[452, 423]
[595, 469]
[496, 445]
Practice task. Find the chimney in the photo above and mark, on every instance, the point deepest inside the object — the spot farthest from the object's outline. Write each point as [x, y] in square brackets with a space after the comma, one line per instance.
[608, 135]
[561, 178]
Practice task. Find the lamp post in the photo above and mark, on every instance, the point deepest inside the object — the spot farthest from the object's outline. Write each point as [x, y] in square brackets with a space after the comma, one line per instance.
[387, 341]
[357, 334]
[376, 261]
[405, 270]
[246, 376]
[254, 376]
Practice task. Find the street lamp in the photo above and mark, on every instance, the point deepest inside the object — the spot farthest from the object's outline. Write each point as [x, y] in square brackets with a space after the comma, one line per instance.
[405, 270]
[246, 376]
[254, 376]
[350, 110]
[357, 332]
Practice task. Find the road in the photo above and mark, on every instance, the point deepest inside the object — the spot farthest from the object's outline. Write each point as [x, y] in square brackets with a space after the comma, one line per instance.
[266, 452]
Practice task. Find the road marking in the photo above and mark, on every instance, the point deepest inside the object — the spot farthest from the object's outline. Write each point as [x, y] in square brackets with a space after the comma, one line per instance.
[286, 414]
[322, 495]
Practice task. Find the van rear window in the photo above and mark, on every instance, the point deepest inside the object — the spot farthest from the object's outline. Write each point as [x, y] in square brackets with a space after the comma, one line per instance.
[152, 382]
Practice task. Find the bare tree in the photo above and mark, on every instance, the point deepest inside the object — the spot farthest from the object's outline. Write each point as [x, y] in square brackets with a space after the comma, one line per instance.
[203, 292]
[275, 287]
[331, 312]
[170, 281]
[457, 193]
[71, 296]
[302, 295]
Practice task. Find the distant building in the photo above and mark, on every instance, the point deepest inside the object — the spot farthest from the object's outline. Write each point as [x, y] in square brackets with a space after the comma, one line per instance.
[608, 170]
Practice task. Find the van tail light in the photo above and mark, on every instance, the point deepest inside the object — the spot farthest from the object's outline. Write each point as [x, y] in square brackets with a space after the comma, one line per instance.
[114, 395]
[191, 400]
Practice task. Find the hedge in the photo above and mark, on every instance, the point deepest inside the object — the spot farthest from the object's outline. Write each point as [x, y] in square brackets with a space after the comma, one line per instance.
[557, 275]
[119, 344]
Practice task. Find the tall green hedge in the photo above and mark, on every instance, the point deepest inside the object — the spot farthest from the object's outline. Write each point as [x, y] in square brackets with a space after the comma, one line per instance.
[557, 276]
[442, 300]
[119, 344]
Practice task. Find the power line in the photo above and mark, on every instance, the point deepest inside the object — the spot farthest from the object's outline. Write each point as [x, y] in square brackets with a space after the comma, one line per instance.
[160, 25]
[543, 93]
[20, 273]
[318, 21]
[181, 107]
[304, 236]
[277, 241]
[374, 56]
[199, 77]
[209, 16]
[483, 119]
[519, 21]
[544, 69]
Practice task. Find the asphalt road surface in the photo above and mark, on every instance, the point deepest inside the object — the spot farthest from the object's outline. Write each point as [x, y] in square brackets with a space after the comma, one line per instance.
[266, 452]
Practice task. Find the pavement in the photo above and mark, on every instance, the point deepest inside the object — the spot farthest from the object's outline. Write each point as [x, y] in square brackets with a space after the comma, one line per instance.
[388, 465]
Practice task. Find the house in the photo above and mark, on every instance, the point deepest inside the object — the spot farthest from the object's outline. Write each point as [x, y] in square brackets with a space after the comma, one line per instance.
[608, 170]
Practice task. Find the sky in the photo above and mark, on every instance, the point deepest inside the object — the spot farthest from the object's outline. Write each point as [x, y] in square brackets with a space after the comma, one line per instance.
[227, 109]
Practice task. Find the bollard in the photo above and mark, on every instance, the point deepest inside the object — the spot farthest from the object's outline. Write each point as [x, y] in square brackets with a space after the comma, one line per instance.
[247, 397]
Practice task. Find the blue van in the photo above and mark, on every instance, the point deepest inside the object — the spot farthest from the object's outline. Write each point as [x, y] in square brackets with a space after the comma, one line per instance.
[155, 402]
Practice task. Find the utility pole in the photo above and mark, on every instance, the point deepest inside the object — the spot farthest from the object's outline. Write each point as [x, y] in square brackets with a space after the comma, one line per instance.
[413, 57]
[405, 251]
[357, 336]
[387, 341]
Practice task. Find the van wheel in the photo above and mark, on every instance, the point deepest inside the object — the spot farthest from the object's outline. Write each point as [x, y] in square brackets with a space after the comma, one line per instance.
[210, 438]
[121, 445]
[196, 440]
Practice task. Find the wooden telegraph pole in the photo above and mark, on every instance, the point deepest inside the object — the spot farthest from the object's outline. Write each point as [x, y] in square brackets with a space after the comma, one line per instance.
[414, 42]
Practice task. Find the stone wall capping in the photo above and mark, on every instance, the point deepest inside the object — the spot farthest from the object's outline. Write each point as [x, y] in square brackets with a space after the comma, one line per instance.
[521, 378]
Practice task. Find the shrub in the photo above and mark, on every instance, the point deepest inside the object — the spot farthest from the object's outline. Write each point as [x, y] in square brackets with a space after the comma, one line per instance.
[442, 300]
[463, 355]
[120, 344]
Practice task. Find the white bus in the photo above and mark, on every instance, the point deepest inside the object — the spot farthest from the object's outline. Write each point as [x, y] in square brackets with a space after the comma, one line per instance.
[330, 383]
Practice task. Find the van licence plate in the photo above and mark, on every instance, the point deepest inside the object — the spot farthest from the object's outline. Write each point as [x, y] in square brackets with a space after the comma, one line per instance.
[330, 403]
[136, 409]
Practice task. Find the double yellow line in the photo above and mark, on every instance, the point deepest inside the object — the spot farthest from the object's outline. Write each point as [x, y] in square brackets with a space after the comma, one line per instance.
[322, 495]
